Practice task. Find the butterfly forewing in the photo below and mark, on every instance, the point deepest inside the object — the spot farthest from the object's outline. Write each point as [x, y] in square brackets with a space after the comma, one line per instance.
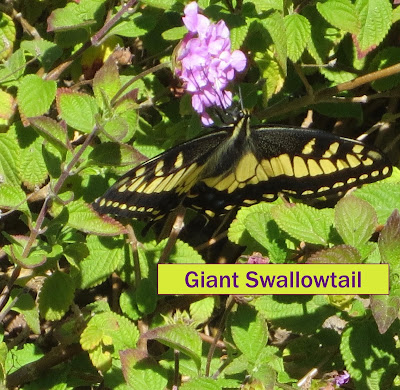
[241, 166]
[157, 186]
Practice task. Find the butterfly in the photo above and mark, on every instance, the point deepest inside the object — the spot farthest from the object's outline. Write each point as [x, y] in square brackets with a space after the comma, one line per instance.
[240, 165]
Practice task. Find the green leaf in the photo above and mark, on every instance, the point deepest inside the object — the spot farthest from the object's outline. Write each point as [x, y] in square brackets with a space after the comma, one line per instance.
[264, 229]
[105, 330]
[7, 106]
[141, 371]
[249, 332]
[51, 131]
[137, 25]
[238, 35]
[340, 14]
[106, 82]
[21, 356]
[106, 254]
[127, 302]
[298, 32]
[275, 25]
[47, 52]
[13, 197]
[396, 14]
[304, 223]
[340, 254]
[385, 309]
[384, 197]
[32, 167]
[74, 15]
[299, 313]
[355, 220]
[267, 5]
[56, 296]
[81, 216]
[146, 295]
[361, 342]
[27, 307]
[174, 34]
[77, 109]
[7, 36]
[202, 310]
[375, 17]
[35, 95]
[385, 58]
[13, 68]
[180, 337]
[165, 4]
[183, 253]
[389, 247]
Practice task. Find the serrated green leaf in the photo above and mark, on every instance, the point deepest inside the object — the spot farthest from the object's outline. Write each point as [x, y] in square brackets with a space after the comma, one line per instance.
[32, 167]
[304, 223]
[127, 302]
[35, 95]
[180, 337]
[267, 5]
[375, 17]
[275, 25]
[7, 35]
[249, 332]
[385, 309]
[146, 295]
[264, 229]
[56, 296]
[18, 357]
[361, 342]
[339, 13]
[383, 196]
[201, 310]
[81, 216]
[77, 109]
[141, 371]
[298, 32]
[106, 82]
[74, 15]
[355, 220]
[183, 253]
[50, 130]
[13, 197]
[337, 75]
[9, 162]
[25, 305]
[340, 254]
[174, 34]
[137, 25]
[298, 313]
[389, 247]
[106, 254]
[47, 52]
[7, 106]
[13, 68]
[238, 35]
[396, 14]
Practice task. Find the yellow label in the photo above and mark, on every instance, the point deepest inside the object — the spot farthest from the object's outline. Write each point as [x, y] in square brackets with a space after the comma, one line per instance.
[253, 279]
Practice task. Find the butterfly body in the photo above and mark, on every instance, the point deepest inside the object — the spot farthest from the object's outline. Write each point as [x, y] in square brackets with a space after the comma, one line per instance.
[242, 165]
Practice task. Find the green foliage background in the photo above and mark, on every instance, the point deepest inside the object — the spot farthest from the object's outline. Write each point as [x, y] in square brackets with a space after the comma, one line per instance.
[79, 304]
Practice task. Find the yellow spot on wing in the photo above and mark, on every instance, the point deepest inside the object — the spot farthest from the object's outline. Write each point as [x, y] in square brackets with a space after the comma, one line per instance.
[341, 164]
[267, 168]
[300, 168]
[327, 166]
[276, 166]
[358, 148]
[353, 161]
[286, 164]
[309, 147]
[314, 168]
[246, 167]
[140, 171]
[179, 160]
[158, 171]
[333, 148]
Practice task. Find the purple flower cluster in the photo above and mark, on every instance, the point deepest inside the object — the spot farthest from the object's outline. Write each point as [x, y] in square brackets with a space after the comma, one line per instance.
[205, 62]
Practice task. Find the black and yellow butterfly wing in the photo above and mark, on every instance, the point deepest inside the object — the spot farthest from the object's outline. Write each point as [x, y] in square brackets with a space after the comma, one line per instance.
[157, 186]
[243, 165]
[302, 163]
